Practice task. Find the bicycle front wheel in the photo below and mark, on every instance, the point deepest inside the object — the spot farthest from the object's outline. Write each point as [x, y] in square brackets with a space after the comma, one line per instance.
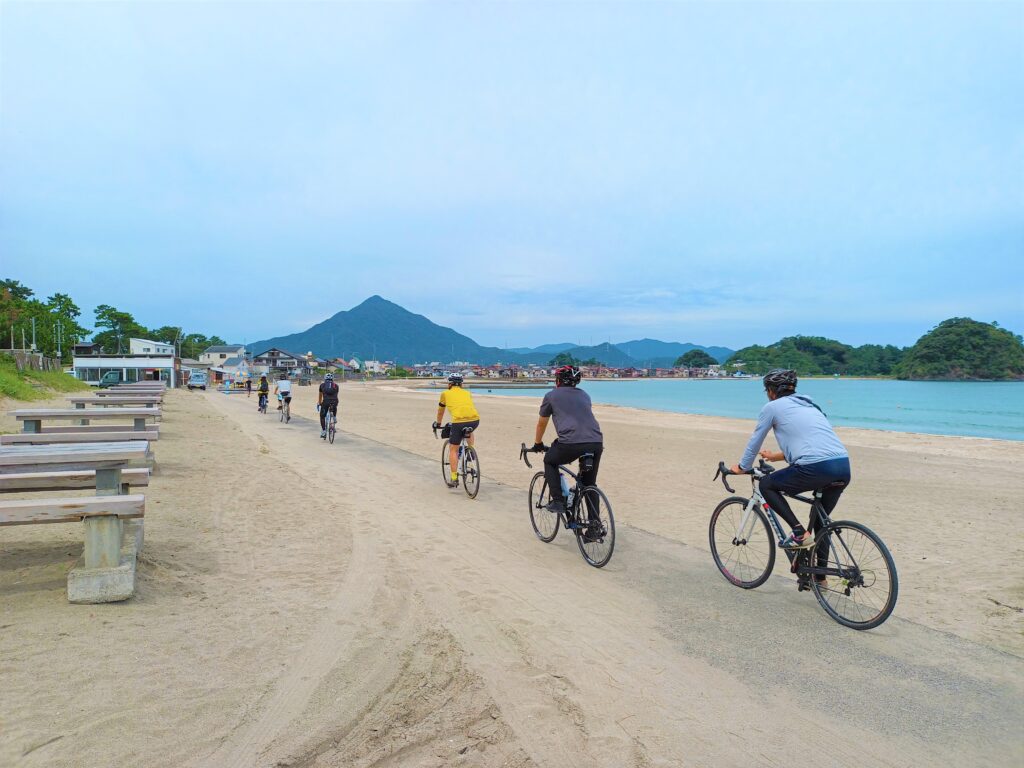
[446, 465]
[545, 524]
[860, 584]
[471, 476]
[596, 533]
[745, 558]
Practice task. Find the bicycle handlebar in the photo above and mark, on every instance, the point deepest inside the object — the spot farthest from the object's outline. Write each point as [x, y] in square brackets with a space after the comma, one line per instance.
[523, 450]
[763, 468]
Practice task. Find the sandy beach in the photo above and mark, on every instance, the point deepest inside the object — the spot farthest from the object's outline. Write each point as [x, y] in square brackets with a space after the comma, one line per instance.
[306, 604]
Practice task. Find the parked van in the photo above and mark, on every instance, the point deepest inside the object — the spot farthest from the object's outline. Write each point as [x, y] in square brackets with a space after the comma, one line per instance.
[110, 378]
[197, 380]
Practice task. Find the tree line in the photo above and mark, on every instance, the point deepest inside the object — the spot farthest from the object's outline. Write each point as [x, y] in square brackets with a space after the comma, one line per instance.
[958, 348]
[57, 325]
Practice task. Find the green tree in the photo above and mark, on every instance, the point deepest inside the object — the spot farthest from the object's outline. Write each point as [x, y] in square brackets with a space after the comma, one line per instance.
[695, 358]
[563, 358]
[117, 328]
[962, 348]
[16, 289]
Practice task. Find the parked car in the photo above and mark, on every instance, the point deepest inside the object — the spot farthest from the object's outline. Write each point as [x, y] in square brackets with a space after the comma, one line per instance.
[198, 380]
[110, 378]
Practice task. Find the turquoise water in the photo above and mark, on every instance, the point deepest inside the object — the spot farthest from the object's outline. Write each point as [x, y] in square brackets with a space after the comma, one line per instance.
[977, 409]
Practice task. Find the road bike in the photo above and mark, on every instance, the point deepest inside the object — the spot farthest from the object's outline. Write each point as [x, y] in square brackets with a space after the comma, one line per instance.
[848, 567]
[286, 407]
[588, 513]
[262, 406]
[330, 422]
[467, 462]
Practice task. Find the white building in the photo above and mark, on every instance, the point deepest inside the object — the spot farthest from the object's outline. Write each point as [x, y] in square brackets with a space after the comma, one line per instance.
[147, 347]
[217, 355]
[89, 365]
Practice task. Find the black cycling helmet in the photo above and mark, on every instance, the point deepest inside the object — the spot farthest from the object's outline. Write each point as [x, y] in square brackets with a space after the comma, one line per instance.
[455, 379]
[568, 376]
[780, 380]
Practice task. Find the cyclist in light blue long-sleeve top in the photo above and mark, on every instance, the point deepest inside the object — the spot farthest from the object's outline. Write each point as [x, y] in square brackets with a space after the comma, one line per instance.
[815, 455]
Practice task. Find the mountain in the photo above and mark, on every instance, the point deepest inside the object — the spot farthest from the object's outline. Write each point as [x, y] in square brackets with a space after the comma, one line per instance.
[543, 349]
[380, 329]
[662, 354]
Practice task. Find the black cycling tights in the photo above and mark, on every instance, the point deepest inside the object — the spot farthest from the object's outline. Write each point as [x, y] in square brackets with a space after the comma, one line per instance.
[324, 407]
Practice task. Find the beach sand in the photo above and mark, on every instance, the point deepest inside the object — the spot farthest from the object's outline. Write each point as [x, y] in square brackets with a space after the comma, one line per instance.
[305, 604]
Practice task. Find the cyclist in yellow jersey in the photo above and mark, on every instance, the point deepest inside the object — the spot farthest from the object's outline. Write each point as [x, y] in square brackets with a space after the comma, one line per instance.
[460, 404]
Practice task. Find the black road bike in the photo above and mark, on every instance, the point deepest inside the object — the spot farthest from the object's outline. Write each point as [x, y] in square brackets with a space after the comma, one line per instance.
[588, 513]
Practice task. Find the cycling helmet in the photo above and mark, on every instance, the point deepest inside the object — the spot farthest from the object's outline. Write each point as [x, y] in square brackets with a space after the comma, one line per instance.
[329, 377]
[568, 376]
[455, 379]
[780, 380]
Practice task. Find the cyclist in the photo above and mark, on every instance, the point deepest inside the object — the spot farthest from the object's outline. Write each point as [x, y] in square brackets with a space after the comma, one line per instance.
[327, 400]
[809, 445]
[578, 433]
[283, 390]
[262, 391]
[464, 415]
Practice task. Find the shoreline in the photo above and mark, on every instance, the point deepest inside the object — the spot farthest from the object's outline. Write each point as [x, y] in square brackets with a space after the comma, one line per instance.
[749, 422]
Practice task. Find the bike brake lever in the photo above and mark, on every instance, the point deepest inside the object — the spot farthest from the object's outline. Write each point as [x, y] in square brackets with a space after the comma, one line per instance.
[724, 472]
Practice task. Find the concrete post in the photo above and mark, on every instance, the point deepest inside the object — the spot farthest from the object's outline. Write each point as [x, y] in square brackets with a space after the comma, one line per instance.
[108, 482]
[33, 426]
[103, 542]
[140, 424]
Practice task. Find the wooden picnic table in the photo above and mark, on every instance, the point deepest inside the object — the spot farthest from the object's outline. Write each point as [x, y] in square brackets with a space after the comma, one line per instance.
[33, 418]
[112, 518]
[80, 401]
[95, 456]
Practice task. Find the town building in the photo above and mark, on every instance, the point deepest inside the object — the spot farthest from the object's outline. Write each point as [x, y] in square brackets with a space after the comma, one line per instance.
[90, 365]
[218, 354]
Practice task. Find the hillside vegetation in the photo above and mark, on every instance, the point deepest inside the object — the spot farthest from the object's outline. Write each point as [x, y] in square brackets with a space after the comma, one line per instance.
[816, 356]
[34, 385]
[961, 348]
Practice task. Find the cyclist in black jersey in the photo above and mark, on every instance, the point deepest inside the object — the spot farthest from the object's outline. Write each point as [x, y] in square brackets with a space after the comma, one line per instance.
[327, 400]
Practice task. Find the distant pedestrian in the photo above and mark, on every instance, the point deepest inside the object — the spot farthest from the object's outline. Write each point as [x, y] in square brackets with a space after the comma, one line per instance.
[248, 387]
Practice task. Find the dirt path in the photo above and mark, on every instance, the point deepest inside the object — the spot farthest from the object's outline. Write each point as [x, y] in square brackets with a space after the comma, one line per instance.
[652, 661]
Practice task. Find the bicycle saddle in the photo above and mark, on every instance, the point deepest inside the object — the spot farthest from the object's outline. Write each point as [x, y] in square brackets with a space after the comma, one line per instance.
[586, 462]
[467, 430]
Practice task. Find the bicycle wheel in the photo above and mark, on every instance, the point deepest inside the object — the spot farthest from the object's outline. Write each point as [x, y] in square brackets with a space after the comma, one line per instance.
[282, 412]
[446, 467]
[331, 429]
[471, 475]
[861, 585]
[596, 539]
[746, 559]
[545, 524]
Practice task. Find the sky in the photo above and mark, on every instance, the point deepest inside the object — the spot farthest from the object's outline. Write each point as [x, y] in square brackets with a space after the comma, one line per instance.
[717, 173]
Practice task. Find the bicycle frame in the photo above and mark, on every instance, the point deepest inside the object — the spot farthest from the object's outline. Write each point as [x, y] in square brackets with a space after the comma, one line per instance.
[749, 521]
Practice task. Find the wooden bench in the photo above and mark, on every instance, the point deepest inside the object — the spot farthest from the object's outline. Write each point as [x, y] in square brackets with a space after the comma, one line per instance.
[54, 438]
[106, 571]
[25, 482]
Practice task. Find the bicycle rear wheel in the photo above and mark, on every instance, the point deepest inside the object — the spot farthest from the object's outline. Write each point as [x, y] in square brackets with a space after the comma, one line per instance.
[545, 524]
[471, 477]
[331, 428]
[745, 558]
[282, 412]
[596, 537]
[861, 585]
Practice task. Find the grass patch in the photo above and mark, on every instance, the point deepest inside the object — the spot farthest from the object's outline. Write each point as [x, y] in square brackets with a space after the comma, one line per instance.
[34, 385]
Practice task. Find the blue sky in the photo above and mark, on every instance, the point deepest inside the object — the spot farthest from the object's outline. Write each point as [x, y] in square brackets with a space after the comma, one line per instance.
[720, 173]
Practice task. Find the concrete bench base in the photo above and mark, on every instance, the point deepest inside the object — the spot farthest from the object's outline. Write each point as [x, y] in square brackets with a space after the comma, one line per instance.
[103, 585]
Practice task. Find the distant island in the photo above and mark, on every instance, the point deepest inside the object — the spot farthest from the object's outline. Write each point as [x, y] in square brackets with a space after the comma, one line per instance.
[958, 349]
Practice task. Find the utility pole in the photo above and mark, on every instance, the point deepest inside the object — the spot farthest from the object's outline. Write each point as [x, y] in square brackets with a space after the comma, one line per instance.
[33, 334]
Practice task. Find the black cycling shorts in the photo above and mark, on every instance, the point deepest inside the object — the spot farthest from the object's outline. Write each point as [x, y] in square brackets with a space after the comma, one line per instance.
[457, 427]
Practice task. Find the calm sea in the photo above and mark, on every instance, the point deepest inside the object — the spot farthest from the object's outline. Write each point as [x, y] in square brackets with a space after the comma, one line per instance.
[978, 409]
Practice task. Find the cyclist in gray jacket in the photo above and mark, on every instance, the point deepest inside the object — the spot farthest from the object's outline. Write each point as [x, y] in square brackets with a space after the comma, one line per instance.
[809, 445]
